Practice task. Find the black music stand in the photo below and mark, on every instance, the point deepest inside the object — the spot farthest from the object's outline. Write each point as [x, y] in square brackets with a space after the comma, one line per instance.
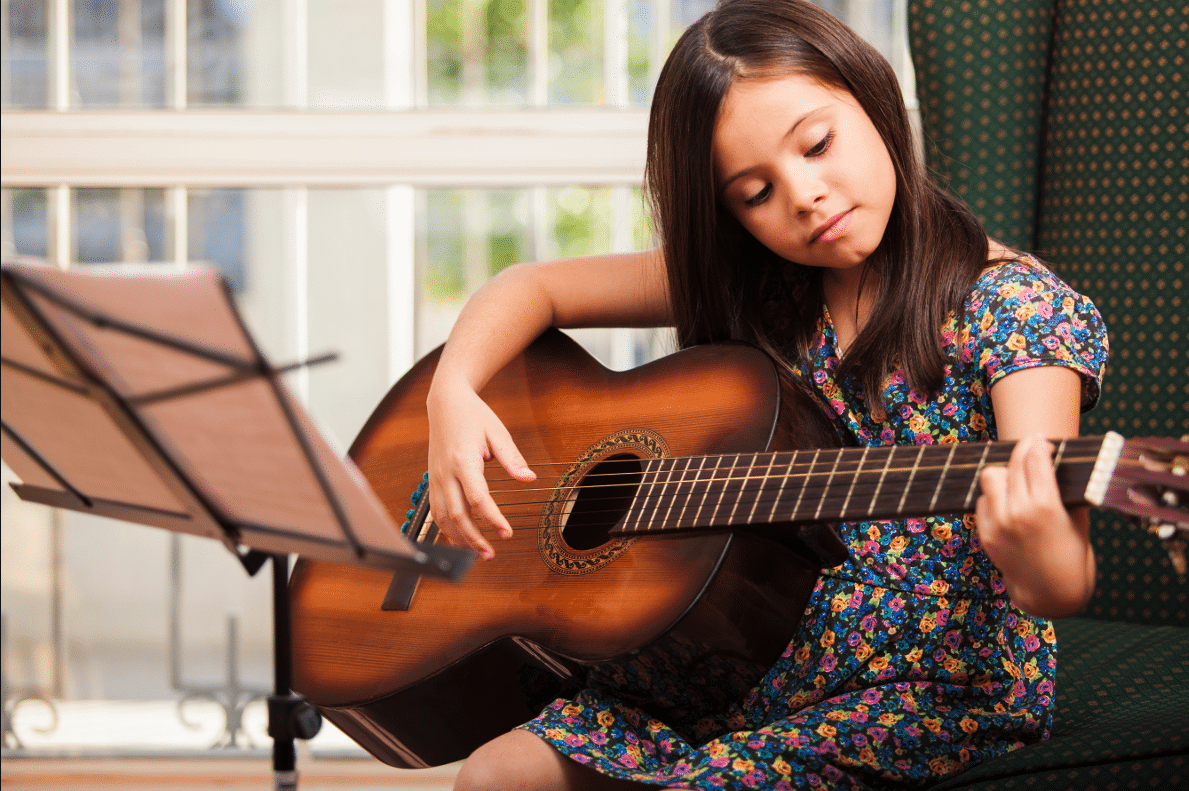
[143, 398]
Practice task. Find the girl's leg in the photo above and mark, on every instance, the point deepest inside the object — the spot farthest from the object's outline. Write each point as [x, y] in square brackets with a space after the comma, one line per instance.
[520, 761]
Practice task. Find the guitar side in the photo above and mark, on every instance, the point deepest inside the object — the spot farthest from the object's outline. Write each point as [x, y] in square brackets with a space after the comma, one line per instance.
[467, 662]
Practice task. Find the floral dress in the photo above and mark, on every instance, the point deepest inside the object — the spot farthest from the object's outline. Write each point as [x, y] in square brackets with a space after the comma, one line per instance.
[910, 663]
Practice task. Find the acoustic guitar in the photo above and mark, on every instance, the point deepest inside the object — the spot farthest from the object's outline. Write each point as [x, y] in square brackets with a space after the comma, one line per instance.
[679, 516]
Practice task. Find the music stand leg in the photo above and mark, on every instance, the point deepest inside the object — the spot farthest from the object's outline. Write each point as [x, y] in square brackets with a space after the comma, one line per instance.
[289, 715]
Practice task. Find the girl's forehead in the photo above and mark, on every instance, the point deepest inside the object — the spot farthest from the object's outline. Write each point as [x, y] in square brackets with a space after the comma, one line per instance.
[786, 87]
[774, 103]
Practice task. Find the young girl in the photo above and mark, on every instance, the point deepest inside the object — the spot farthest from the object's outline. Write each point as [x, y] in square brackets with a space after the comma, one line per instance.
[795, 214]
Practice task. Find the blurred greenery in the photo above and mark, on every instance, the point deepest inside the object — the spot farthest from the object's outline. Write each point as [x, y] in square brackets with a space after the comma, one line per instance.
[575, 52]
[508, 241]
[507, 62]
[581, 220]
[496, 31]
[470, 235]
[444, 277]
[444, 50]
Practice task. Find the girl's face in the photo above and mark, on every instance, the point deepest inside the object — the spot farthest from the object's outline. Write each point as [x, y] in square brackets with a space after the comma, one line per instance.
[801, 166]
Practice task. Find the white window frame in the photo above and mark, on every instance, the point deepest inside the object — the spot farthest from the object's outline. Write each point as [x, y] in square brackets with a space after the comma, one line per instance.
[406, 147]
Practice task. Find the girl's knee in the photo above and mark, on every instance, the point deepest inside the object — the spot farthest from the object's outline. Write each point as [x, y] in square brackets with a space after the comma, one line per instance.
[516, 761]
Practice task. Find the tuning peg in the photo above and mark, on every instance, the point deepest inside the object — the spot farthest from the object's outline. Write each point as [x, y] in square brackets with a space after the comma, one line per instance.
[1172, 536]
[1164, 532]
[1180, 462]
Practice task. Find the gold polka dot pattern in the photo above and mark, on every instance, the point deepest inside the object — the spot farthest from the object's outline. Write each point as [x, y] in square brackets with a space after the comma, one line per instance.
[1113, 201]
[980, 77]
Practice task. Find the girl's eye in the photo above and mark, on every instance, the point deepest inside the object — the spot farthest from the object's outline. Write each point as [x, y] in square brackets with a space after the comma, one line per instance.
[759, 197]
[821, 146]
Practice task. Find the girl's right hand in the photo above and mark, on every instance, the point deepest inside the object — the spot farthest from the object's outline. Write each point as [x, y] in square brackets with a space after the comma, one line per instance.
[464, 434]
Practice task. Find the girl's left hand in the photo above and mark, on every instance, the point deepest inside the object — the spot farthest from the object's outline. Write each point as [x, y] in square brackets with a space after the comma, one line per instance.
[1042, 550]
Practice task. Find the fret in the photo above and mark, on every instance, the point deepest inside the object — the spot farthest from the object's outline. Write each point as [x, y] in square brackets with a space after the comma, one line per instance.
[916, 464]
[784, 481]
[853, 481]
[829, 479]
[804, 485]
[722, 490]
[645, 500]
[706, 488]
[685, 490]
[982, 461]
[664, 520]
[763, 483]
[944, 471]
[1057, 456]
[742, 483]
[883, 474]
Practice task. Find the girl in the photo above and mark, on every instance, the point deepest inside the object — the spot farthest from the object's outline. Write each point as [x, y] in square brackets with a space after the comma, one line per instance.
[795, 214]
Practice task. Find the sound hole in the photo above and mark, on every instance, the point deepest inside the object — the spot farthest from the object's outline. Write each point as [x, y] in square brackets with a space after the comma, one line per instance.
[602, 498]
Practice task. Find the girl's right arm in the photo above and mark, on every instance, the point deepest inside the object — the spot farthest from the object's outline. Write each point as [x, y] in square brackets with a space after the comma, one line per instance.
[498, 323]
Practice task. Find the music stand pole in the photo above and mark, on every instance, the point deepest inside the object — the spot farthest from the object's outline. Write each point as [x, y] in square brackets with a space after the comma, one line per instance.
[289, 715]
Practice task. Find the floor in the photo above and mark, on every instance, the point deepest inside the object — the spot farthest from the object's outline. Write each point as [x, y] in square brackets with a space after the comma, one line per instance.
[145, 745]
[203, 774]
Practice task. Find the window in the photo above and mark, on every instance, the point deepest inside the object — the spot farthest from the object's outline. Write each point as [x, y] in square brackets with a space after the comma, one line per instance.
[355, 169]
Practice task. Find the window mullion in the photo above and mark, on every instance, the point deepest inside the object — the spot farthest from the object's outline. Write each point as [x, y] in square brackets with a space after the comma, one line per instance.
[901, 55]
[61, 241]
[622, 339]
[405, 86]
[401, 248]
[295, 46]
[177, 216]
[615, 53]
[58, 68]
[177, 97]
[404, 53]
[538, 52]
[297, 257]
[659, 45]
[176, 55]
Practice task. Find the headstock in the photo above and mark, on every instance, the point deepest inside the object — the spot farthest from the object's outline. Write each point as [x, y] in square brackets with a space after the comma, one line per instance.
[1150, 482]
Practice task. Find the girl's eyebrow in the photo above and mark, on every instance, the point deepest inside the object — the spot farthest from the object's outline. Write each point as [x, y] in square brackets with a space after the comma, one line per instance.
[811, 113]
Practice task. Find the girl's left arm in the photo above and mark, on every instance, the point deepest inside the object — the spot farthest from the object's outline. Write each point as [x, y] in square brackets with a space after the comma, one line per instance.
[1042, 549]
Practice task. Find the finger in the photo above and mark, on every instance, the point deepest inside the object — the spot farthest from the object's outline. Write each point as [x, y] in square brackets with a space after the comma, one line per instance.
[452, 513]
[1017, 494]
[1038, 470]
[483, 505]
[504, 450]
[990, 510]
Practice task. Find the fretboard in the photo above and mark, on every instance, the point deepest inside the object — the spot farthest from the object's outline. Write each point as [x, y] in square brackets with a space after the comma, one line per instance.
[832, 485]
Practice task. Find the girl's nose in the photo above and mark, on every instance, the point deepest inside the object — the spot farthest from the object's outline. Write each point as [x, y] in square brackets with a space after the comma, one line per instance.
[806, 190]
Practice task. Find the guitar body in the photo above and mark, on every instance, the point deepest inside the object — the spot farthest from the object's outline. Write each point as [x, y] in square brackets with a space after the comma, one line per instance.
[556, 609]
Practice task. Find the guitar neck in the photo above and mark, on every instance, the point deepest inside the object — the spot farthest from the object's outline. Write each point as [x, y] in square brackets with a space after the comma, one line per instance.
[838, 485]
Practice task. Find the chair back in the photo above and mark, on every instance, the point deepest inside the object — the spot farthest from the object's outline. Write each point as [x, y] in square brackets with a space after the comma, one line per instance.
[1064, 125]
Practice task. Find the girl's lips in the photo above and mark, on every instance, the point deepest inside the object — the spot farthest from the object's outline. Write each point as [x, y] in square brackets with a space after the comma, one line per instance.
[832, 228]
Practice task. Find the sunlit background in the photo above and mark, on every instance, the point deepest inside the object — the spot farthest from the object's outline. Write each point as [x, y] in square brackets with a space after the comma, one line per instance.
[121, 638]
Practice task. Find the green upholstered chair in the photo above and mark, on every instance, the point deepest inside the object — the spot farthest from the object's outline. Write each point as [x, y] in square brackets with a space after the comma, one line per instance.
[1064, 125]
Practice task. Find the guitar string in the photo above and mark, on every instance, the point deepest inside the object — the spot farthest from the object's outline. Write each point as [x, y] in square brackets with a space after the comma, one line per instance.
[716, 477]
[998, 449]
[1069, 460]
[645, 498]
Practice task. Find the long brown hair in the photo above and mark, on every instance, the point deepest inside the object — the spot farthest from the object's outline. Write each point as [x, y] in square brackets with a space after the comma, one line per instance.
[720, 275]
